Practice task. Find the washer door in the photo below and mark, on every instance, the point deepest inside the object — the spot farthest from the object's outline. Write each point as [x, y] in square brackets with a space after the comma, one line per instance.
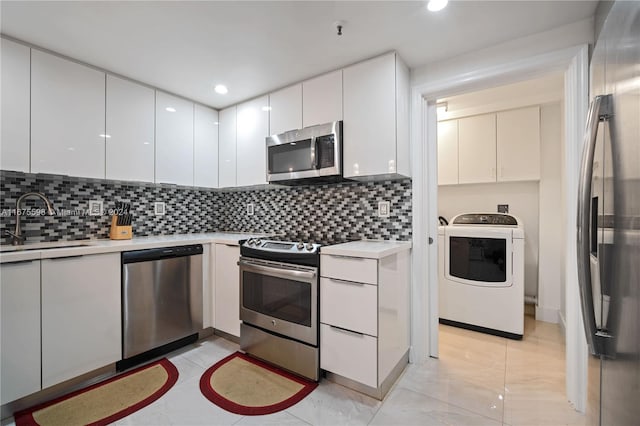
[479, 256]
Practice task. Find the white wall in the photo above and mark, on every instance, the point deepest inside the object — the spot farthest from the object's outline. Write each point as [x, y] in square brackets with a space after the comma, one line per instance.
[522, 198]
[551, 258]
[471, 66]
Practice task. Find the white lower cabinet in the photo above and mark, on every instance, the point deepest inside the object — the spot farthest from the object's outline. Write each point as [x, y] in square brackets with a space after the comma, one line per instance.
[349, 354]
[20, 315]
[227, 289]
[364, 318]
[81, 315]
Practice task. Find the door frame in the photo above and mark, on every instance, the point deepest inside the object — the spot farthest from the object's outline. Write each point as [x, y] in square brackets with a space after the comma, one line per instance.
[574, 62]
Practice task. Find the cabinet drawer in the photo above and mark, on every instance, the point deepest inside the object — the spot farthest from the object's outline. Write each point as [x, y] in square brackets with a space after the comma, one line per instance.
[349, 354]
[355, 269]
[349, 305]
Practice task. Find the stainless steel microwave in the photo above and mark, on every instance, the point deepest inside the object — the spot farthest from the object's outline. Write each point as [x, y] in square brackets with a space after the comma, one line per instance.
[310, 154]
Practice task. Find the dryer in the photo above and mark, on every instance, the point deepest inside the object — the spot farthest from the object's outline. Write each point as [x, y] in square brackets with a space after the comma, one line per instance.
[481, 273]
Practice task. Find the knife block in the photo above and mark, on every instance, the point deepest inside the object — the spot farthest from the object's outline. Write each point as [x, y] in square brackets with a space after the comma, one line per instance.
[119, 232]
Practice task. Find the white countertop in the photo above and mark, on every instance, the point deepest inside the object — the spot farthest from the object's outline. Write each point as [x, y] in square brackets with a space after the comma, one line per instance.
[110, 246]
[371, 249]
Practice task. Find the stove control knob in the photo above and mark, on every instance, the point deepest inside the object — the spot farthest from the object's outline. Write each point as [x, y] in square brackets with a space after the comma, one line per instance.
[309, 247]
[300, 246]
[258, 242]
[250, 242]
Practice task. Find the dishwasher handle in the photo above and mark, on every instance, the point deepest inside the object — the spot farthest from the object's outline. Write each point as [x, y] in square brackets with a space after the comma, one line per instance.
[161, 253]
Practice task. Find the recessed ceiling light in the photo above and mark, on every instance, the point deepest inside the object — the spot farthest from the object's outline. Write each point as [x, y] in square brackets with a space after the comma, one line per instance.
[170, 109]
[105, 136]
[215, 123]
[221, 88]
[266, 108]
[437, 5]
[146, 143]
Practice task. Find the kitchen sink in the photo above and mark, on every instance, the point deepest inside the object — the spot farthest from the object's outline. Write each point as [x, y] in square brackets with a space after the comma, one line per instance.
[44, 246]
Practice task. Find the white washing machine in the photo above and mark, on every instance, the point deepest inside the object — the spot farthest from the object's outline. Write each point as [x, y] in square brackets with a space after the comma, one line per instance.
[481, 273]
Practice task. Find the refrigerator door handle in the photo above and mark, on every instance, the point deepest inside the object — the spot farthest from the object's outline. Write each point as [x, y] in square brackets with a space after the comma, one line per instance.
[599, 110]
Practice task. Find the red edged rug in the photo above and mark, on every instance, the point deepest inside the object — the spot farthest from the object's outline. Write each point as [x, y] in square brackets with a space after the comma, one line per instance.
[247, 386]
[105, 402]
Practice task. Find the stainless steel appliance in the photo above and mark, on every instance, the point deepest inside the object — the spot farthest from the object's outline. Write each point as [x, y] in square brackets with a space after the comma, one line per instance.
[161, 301]
[609, 221]
[279, 304]
[310, 154]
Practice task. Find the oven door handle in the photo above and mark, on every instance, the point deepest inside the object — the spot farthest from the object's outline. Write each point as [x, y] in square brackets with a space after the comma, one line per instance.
[278, 272]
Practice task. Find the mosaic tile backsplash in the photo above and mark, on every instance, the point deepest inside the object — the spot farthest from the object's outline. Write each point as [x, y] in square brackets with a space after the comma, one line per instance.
[324, 213]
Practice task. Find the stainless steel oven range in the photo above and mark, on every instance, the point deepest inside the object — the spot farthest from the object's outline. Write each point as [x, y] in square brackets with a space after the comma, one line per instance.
[279, 297]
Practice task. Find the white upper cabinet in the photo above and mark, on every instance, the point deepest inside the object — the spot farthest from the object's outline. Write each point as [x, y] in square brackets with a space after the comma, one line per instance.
[477, 149]
[130, 130]
[252, 129]
[205, 147]
[227, 148]
[285, 109]
[67, 117]
[376, 118]
[518, 144]
[14, 148]
[174, 140]
[448, 152]
[322, 99]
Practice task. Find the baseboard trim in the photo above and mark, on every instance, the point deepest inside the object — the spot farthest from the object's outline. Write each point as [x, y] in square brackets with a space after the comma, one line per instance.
[547, 315]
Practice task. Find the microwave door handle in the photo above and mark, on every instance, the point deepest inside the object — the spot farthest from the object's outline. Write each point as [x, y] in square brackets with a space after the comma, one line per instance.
[596, 114]
[315, 160]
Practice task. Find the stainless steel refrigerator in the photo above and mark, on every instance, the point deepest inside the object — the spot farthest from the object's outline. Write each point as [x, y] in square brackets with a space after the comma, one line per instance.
[609, 221]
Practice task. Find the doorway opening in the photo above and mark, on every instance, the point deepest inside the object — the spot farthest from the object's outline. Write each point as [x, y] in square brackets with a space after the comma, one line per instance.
[573, 63]
[500, 275]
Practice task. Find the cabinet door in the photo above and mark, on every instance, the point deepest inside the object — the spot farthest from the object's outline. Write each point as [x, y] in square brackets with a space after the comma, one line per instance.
[477, 149]
[81, 315]
[322, 99]
[227, 148]
[252, 130]
[518, 144]
[174, 140]
[370, 117]
[130, 130]
[448, 152]
[67, 117]
[285, 110]
[205, 147]
[20, 359]
[227, 289]
[14, 149]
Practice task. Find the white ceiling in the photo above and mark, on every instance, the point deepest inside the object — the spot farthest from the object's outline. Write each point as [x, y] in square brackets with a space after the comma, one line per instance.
[256, 47]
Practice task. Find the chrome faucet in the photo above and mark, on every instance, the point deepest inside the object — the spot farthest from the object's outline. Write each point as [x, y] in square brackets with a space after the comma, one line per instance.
[16, 236]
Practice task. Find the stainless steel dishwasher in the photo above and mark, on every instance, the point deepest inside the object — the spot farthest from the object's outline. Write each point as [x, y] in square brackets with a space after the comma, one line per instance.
[161, 301]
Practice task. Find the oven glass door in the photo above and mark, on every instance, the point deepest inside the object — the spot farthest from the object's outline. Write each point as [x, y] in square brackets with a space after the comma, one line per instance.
[280, 298]
[482, 260]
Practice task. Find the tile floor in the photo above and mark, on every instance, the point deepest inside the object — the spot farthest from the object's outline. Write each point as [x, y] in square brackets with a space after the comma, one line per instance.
[478, 380]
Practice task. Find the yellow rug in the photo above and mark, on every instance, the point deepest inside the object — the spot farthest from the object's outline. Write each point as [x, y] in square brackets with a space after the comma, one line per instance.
[244, 385]
[105, 402]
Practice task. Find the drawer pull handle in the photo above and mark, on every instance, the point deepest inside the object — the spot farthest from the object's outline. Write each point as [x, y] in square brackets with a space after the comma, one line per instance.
[345, 331]
[335, 280]
[339, 256]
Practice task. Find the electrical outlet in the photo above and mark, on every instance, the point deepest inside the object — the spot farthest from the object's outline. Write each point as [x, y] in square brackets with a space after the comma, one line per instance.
[95, 208]
[503, 208]
[384, 209]
[250, 209]
[159, 208]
